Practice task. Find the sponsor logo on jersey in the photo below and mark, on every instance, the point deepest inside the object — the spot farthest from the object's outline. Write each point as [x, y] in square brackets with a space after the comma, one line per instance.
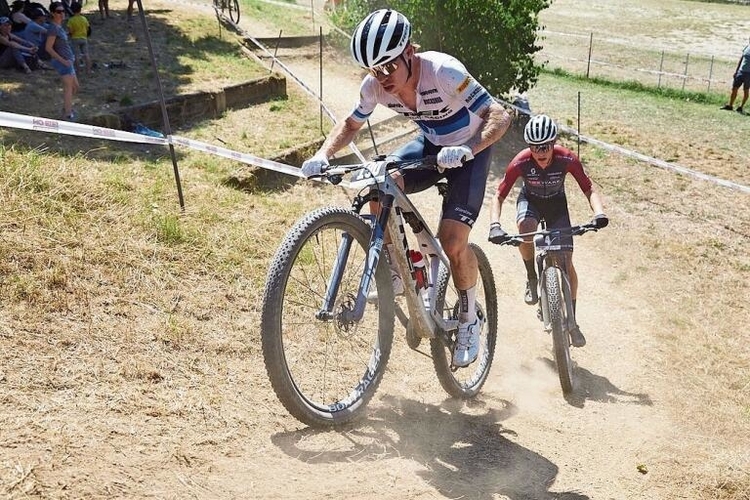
[462, 86]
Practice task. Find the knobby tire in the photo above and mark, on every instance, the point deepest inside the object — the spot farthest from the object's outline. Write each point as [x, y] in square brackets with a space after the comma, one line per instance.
[324, 371]
[560, 338]
[466, 383]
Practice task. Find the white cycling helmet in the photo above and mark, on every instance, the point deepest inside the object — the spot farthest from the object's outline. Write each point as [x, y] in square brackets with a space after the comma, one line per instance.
[380, 38]
[540, 129]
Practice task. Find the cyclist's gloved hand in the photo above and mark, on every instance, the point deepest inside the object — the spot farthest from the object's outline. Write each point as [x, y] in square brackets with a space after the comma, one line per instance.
[497, 235]
[600, 221]
[315, 165]
[453, 156]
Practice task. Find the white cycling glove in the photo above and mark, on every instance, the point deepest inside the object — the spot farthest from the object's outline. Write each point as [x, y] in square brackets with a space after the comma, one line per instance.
[453, 156]
[314, 166]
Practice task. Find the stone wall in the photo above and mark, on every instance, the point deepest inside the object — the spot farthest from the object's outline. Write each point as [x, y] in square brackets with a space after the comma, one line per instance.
[197, 106]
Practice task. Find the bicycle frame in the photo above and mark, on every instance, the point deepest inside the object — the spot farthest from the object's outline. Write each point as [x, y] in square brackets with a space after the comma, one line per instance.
[395, 209]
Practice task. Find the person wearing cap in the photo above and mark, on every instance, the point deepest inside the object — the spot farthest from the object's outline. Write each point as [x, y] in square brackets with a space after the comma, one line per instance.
[13, 48]
[62, 58]
[459, 122]
[543, 167]
[18, 17]
[36, 32]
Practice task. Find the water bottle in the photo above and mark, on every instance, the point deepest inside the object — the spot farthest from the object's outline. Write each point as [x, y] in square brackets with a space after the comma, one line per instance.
[420, 273]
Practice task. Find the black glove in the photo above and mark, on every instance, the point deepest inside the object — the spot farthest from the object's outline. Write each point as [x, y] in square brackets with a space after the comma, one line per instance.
[600, 221]
[497, 235]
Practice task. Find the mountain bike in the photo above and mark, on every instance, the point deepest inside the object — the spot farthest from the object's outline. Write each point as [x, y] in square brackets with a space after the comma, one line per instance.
[555, 308]
[328, 308]
[232, 6]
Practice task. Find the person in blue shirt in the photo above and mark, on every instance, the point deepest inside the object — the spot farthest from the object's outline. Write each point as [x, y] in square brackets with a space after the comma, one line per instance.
[741, 79]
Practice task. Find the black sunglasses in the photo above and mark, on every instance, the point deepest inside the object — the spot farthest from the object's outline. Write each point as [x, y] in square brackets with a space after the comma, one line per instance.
[60, 11]
[541, 148]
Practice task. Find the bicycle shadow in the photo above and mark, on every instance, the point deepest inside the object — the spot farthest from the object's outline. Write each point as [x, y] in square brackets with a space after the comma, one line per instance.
[591, 387]
[462, 447]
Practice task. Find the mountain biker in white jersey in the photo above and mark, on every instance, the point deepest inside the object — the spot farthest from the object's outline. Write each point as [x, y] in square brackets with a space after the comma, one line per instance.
[459, 121]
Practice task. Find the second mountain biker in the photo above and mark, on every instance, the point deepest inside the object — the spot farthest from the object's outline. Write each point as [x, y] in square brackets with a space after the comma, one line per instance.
[543, 167]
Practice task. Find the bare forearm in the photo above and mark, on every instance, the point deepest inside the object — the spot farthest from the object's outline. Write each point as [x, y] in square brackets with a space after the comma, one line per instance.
[496, 123]
[595, 200]
[496, 208]
[341, 135]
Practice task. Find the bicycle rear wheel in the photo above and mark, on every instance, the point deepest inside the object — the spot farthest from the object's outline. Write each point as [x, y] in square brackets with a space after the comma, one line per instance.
[325, 370]
[234, 10]
[466, 382]
[560, 339]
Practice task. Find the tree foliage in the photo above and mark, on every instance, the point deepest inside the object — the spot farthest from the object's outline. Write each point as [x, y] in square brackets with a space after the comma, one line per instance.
[495, 39]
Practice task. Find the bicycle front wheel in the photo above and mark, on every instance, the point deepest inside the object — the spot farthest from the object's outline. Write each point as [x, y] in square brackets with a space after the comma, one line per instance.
[560, 339]
[466, 382]
[234, 11]
[323, 367]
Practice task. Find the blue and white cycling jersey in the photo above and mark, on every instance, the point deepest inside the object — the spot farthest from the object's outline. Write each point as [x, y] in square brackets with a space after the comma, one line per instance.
[449, 100]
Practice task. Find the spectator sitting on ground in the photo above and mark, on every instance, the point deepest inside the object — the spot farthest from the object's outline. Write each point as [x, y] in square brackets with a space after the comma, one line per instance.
[13, 48]
[18, 18]
[79, 29]
[36, 32]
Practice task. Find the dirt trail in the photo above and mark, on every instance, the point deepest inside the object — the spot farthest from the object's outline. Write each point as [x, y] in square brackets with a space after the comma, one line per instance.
[521, 438]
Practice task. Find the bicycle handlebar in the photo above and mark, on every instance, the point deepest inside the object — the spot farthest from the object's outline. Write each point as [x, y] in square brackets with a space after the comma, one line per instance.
[335, 173]
[516, 239]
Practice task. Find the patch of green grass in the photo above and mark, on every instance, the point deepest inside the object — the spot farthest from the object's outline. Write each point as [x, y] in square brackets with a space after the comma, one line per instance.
[668, 93]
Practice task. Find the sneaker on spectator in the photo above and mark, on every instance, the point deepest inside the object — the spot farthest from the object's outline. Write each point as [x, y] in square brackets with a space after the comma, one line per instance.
[727, 107]
[740, 110]
[576, 337]
[467, 343]
[398, 288]
[531, 296]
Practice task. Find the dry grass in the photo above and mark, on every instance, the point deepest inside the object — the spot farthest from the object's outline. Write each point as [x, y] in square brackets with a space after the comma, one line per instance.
[129, 356]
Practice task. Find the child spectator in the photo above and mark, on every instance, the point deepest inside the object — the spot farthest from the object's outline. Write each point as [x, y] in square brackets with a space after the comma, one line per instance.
[79, 29]
[63, 58]
[14, 49]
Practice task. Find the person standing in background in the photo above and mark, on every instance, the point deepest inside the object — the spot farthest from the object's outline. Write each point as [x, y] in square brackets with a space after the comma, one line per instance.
[80, 29]
[104, 9]
[741, 79]
[62, 58]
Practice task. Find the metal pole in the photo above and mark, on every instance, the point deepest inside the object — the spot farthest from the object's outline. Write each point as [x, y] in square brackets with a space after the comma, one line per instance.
[710, 74]
[164, 114]
[312, 14]
[661, 65]
[372, 138]
[591, 44]
[320, 63]
[275, 51]
[578, 137]
[685, 77]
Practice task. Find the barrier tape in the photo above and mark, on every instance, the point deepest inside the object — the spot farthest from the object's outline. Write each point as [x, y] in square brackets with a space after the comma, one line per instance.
[36, 123]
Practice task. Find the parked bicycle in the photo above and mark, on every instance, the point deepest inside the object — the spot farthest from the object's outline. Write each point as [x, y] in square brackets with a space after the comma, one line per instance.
[232, 6]
[555, 308]
[328, 308]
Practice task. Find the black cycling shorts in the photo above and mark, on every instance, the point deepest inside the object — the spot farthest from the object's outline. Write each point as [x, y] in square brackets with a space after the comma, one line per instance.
[554, 210]
[466, 184]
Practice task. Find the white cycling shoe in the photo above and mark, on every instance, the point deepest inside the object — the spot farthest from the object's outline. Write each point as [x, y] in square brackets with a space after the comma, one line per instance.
[466, 349]
[398, 288]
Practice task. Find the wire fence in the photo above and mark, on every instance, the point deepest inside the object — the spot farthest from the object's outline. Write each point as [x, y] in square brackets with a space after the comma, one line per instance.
[594, 56]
